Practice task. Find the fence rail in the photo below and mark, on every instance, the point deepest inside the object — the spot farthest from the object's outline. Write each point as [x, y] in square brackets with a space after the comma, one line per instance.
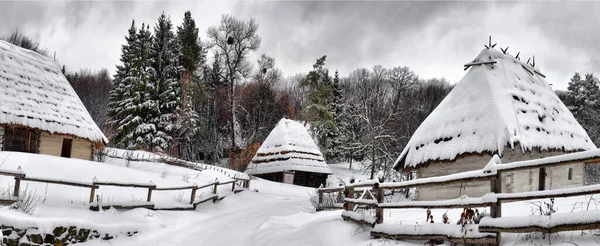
[491, 173]
[19, 176]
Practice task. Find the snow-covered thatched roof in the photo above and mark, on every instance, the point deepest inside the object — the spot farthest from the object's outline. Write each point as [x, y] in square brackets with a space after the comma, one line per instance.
[34, 93]
[498, 104]
[288, 147]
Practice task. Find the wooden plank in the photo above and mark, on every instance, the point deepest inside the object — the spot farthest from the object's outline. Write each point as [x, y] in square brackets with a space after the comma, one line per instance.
[17, 187]
[12, 173]
[491, 240]
[331, 189]
[182, 208]
[193, 196]
[60, 182]
[9, 201]
[360, 222]
[149, 198]
[207, 198]
[434, 206]
[92, 194]
[122, 184]
[558, 193]
[177, 187]
[122, 207]
[228, 182]
[475, 176]
[527, 229]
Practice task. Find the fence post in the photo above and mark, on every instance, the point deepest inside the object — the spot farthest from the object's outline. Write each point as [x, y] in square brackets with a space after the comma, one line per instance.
[233, 186]
[378, 211]
[17, 187]
[320, 196]
[215, 188]
[193, 196]
[350, 194]
[92, 194]
[496, 211]
[149, 194]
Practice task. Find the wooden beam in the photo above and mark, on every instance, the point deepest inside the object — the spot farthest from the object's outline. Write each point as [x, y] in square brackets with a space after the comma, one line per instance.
[149, 198]
[122, 184]
[468, 65]
[17, 187]
[193, 196]
[360, 222]
[60, 182]
[527, 229]
[491, 240]
[442, 180]
[12, 173]
[92, 194]
[178, 188]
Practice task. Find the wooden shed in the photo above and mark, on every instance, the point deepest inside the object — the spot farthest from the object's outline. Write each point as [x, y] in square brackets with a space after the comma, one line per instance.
[39, 110]
[501, 106]
[290, 155]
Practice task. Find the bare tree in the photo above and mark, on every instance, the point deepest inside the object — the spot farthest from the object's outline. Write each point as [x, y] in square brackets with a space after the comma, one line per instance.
[234, 39]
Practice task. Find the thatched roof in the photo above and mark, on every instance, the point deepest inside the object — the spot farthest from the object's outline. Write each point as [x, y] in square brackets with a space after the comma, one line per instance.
[288, 147]
[34, 93]
[497, 104]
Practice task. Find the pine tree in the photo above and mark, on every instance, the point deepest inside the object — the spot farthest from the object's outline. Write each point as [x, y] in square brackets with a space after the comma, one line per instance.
[192, 56]
[136, 128]
[118, 90]
[583, 99]
[166, 66]
[336, 108]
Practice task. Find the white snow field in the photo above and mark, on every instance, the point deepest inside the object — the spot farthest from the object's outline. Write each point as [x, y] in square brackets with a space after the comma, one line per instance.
[268, 214]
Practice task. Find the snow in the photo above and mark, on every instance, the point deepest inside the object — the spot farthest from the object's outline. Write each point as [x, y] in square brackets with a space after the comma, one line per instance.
[35, 93]
[455, 231]
[492, 106]
[359, 216]
[545, 222]
[462, 201]
[584, 155]
[288, 147]
[270, 213]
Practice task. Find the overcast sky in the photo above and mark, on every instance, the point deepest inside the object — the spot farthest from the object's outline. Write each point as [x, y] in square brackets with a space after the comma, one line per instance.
[433, 38]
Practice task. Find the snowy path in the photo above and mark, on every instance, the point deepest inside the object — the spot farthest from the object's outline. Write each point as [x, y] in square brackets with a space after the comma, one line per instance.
[250, 218]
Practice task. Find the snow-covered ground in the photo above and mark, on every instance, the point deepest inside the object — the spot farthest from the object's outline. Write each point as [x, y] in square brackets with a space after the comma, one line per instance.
[268, 214]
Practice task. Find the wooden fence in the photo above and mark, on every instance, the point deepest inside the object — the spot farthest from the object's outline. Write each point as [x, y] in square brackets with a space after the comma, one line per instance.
[19, 176]
[489, 229]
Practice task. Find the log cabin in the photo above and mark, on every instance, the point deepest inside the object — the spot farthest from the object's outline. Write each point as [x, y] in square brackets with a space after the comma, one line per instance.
[502, 106]
[290, 155]
[39, 110]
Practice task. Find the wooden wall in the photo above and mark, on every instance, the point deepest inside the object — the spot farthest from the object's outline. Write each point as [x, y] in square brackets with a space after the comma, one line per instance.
[521, 181]
[51, 144]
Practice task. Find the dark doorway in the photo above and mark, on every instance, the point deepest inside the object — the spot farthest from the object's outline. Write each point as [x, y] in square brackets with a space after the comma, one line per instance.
[67, 145]
[542, 177]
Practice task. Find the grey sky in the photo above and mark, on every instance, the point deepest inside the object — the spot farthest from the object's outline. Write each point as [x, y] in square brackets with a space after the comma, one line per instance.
[433, 38]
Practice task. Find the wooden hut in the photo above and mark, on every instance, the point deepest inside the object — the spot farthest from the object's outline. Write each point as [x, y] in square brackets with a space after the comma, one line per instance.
[501, 106]
[39, 110]
[290, 155]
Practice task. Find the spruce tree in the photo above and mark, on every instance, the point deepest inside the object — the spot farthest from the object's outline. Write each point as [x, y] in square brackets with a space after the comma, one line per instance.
[191, 56]
[167, 93]
[137, 130]
[117, 92]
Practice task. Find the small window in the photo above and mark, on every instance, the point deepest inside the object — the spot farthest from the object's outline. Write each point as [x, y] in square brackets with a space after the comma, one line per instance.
[67, 144]
[570, 174]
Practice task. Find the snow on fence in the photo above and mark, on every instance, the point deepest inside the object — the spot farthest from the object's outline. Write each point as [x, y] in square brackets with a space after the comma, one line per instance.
[492, 224]
[242, 183]
[138, 155]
